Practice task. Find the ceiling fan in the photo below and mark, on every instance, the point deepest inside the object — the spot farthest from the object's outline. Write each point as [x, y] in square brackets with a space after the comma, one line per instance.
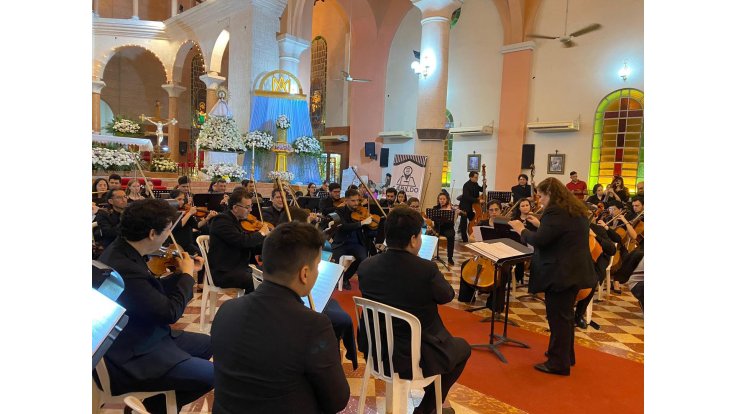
[566, 39]
[346, 73]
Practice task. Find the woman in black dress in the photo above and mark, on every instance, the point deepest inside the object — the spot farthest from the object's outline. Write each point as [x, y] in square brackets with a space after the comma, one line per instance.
[561, 268]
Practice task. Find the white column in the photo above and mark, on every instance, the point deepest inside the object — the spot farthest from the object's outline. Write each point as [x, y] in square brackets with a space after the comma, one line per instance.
[174, 8]
[290, 50]
[135, 10]
[97, 86]
[174, 91]
[432, 97]
[212, 81]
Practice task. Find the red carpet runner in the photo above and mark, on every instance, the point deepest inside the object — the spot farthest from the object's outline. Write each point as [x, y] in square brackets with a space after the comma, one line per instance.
[599, 382]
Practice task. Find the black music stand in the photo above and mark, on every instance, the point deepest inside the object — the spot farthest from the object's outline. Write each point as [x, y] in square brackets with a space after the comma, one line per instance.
[501, 259]
[503, 229]
[310, 203]
[209, 200]
[439, 216]
[502, 196]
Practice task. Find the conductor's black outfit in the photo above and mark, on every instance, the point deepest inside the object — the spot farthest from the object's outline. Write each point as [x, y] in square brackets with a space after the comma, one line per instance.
[560, 267]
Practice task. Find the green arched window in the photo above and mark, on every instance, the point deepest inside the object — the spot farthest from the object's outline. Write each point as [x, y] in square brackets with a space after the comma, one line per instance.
[618, 139]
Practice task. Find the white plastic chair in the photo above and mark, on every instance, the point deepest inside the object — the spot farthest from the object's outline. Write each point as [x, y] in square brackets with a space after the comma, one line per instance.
[345, 262]
[136, 405]
[607, 285]
[397, 395]
[257, 276]
[209, 290]
[105, 397]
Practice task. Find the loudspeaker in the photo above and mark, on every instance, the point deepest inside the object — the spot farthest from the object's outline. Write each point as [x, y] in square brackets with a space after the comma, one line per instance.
[527, 156]
[384, 157]
[370, 150]
[182, 147]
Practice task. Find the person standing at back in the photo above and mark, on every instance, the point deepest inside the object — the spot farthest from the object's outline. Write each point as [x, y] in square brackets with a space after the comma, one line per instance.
[577, 187]
[471, 192]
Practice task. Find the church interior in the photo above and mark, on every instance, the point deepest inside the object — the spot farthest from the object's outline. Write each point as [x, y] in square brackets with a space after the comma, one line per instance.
[543, 88]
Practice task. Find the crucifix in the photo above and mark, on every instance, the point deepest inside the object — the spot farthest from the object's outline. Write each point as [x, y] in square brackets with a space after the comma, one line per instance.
[159, 122]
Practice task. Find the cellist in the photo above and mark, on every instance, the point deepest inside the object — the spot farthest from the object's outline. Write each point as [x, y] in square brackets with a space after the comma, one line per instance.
[608, 249]
[471, 194]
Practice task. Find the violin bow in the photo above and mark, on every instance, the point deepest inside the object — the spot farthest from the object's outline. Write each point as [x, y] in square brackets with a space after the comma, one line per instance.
[369, 192]
[283, 197]
[145, 180]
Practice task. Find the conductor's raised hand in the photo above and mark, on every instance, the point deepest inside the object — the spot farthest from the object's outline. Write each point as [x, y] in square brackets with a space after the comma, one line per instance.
[533, 220]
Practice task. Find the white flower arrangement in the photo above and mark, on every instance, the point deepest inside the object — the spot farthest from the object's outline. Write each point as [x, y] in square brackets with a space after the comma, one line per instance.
[283, 175]
[220, 133]
[163, 165]
[119, 159]
[282, 122]
[229, 172]
[307, 146]
[262, 139]
[124, 127]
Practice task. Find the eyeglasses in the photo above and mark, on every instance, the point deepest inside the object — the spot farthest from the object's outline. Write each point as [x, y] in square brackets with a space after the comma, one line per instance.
[245, 207]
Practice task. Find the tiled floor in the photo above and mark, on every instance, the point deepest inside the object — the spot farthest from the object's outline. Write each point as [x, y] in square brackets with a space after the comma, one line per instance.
[621, 334]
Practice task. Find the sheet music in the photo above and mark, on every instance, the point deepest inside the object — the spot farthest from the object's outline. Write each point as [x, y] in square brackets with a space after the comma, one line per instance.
[329, 273]
[106, 315]
[429, 246]
[495, 251]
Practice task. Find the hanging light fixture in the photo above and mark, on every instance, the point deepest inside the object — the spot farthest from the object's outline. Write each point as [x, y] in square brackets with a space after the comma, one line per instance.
[624, 72]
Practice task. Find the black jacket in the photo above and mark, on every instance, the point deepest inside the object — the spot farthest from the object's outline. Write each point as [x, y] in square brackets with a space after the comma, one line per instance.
[145, 348]
[273, 216]
[274, 355]
[471, 192]
[561, 253]
[349, 226]
[107, 226]
[518, 192]
[400, 279]
[609, 249]
[230, 245]
[327, 205]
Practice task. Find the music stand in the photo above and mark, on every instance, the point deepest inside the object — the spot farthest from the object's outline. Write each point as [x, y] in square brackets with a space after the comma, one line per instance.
[502, 196]
[504, 229]
[503, 253]
[209, 200]
[310, 203]
[439, 216]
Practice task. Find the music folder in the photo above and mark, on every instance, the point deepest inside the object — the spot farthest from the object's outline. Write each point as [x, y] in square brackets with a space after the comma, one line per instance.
[327, 278]
[108, 320]
[500, 250]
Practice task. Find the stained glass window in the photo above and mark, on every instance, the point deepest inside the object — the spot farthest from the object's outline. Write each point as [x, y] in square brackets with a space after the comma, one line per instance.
[618, 139]
[318, 88]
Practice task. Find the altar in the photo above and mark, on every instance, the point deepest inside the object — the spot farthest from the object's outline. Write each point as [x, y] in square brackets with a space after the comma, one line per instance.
[143, 143]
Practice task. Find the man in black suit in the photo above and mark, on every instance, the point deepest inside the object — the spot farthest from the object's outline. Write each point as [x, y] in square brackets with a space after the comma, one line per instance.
[327, 204]
[275, 214]
[471, 192]
[400, 278]
[230, 245]
[108, 219]
[148, 355]
[349, 238]
[273, 354]
[561, 267]
[522, 190]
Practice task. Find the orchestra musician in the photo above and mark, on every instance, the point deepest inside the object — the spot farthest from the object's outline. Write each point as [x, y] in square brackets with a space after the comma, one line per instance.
[276, 213]
[523, 212]
[108, 219]
[99, 189]
[401, 198]
[617, 191]
[328, 205]
[273, 354]
[133, 191]
[400, 278]
[561, 267]
[324, 190]
[599, 195]
[470, 195]
[350, 238]
[608, 250]
[189, 223]
[521, 190]
[630, 261]
[184, 184]
[230, 244]
[390, 199]
[219, 186]
[148, 355]
[447, 228]
[115, 181]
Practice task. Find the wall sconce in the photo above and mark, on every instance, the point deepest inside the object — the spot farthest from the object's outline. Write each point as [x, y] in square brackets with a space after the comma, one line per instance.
[624, 72]
[419, 69]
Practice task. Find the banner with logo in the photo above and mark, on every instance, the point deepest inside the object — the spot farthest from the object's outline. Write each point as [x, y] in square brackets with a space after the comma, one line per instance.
[408, 174]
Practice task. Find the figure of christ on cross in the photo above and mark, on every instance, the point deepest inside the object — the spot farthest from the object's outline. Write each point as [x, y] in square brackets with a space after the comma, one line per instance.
[159, 126]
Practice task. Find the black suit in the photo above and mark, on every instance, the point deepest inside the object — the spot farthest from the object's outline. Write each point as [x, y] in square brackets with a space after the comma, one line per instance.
[229, 255]
[274, 355]
[148, 355]
[471, 192]
[519, 192]
[561, 266]
[274, 216]
[107, 226]
[327, 205]
[400, 279]
[350, 240]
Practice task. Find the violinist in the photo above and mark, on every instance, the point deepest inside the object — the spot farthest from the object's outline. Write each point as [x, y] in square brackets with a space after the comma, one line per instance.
[329, 204]
[133, 191]
[640, 188]
[350, 238]
[471, 193]
[523, 212]
[148, 353]
[630, 262]
[250, 189]
[522, 190]
[99, 189]
[608, 249]
[219, 186]
[324, 191]
[189, 223]
[311, 190]
[599, 195]
[184, 184]
[115, 181]
[390, 199]
[276, 214]
[401, 198]
[616, 220]
[230, 245]
[447, 228]
[617, 191]
[108, 219]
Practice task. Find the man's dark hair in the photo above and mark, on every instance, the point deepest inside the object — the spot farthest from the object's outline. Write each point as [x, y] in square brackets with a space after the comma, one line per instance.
[175, 193]
[401, 224]
[496, 202]
[352, 187]
[183, 180]
[333, 186]
[245, 183]
[526, 177]
[573, 173]
[411, 200]
[110, 193]
[351, 192]
[615, 203]
[114, 177]
[141, 217]
[472, 174]
[276, 191]
[302, 241]
[637, 198]
[391, 190]
[389, 175]
[236, 197]
[299, 214]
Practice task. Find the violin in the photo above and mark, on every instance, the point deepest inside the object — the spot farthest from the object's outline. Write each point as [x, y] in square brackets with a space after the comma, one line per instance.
[200, 212]
[430, 225]
[339, 202]
[251, 224]
[159, 265]
[361, 213]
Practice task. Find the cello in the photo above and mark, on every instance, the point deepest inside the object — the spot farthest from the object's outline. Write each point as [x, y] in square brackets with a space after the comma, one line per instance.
[535, 196]
[480, 208]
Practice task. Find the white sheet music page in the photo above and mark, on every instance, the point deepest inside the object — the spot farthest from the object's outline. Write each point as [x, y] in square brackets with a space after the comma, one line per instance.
[495, 250]
[324, 286]
[429, 246]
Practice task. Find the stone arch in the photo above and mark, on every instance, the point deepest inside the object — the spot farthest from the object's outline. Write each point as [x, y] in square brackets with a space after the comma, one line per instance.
[99, 68]
[517, 18]
[180, 59]
[218, 51]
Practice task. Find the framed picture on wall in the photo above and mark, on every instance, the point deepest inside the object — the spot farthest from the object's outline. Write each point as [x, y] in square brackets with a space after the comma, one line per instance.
[473, 162]
[555, 163]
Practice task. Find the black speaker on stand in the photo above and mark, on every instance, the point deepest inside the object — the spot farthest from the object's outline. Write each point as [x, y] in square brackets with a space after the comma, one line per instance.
[527, 156]
[183, 145]
[370, 150]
